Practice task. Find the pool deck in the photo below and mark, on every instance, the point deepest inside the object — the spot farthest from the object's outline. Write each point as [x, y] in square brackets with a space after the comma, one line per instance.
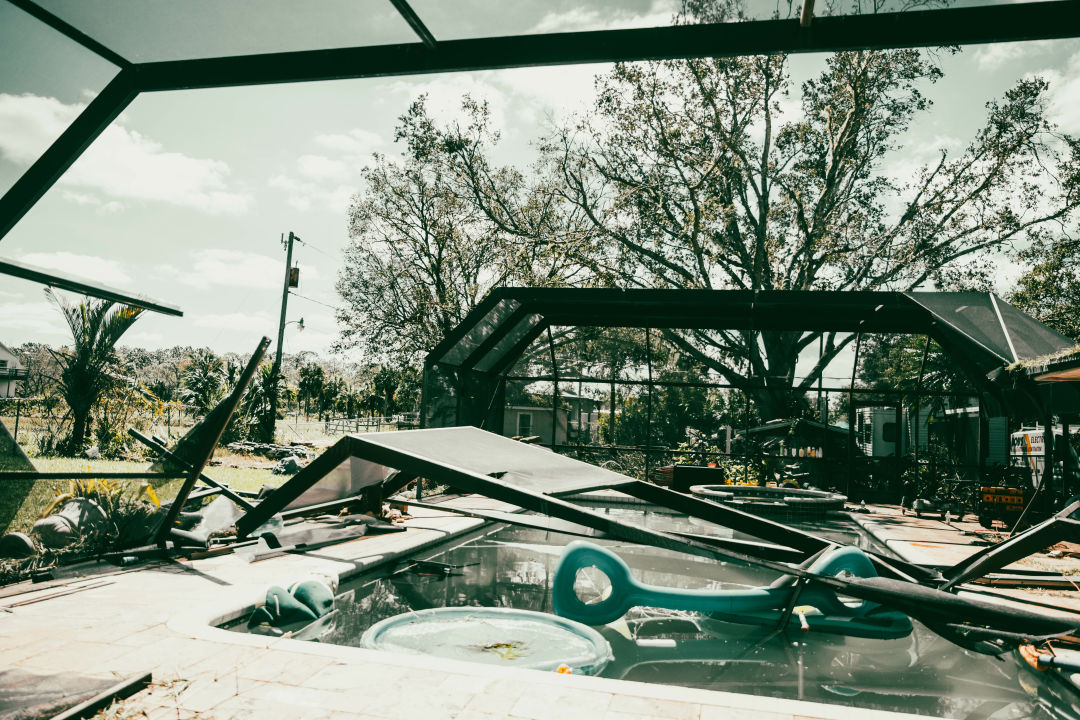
[119, 623]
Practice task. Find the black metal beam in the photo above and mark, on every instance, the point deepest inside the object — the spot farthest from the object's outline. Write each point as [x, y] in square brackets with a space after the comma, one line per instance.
[55, 161]
[66, 282]
[71, 32]
[276, 501]
[928, 28]
[512, 355]
[123, 689]
[737, 520]
[415, 22]
[34, 475]
[919, 601]
[593, 380]
[203, 445]
[458, 332]
[488, 343]
[1018, 547]
[164, 453]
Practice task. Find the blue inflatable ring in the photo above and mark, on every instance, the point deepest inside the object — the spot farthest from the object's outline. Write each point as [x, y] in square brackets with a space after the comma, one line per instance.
[819, 605]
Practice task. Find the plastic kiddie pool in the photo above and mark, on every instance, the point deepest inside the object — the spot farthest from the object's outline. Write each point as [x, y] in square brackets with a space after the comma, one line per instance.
[496, 636]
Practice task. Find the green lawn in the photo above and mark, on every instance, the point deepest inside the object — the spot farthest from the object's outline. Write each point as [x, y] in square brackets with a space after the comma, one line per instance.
[21, 503]
[42, 493]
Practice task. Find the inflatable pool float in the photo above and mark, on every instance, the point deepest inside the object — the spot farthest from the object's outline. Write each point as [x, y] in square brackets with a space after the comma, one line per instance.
[817, 608]
[496, 636]
[755, 498]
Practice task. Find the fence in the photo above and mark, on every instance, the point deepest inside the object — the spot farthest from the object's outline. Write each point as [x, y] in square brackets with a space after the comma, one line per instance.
[374, 423]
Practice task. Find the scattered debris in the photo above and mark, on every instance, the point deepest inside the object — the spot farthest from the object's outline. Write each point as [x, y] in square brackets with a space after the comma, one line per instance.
[75, 518]
[288, 466]
[16, 546]
[303, 602]
[274, 452]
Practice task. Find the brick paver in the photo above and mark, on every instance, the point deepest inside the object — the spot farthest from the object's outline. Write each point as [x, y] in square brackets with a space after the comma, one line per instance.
[158, 619]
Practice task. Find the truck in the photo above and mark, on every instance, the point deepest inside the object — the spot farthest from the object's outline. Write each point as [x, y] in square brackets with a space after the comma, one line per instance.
[1005, 501]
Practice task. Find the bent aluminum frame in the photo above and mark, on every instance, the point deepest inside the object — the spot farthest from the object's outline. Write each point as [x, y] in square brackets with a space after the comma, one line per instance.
[66, 282]
[925, 28]
[911, 588]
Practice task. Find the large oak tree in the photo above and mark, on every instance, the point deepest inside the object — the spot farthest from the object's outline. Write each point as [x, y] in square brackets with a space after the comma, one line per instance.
[706, 173]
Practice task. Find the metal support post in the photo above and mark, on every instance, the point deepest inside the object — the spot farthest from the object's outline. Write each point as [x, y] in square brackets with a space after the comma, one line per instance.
[851, 415]
[15, 435]
[648, 414]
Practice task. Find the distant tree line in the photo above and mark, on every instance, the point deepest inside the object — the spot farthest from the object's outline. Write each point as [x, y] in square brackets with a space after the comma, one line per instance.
[90, 391]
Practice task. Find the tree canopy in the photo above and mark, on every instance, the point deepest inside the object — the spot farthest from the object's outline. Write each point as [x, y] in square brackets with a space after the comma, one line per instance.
[703, 173]
[1050, 289]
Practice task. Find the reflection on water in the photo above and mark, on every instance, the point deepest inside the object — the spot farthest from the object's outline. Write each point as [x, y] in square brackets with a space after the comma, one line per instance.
[513, 567]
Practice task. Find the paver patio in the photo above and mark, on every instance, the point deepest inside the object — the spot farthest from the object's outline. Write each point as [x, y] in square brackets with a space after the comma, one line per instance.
[160, 618]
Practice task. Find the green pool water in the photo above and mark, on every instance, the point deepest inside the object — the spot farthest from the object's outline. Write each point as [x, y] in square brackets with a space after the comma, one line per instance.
[512, 567]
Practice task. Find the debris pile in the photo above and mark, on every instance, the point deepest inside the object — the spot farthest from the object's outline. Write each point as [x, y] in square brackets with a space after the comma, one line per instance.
[272, 451]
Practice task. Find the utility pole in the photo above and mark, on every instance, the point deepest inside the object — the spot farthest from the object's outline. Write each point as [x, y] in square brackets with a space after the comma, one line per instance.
[276, 370]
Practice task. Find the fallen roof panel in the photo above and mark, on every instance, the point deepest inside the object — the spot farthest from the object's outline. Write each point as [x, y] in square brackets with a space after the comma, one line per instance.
[514, 463]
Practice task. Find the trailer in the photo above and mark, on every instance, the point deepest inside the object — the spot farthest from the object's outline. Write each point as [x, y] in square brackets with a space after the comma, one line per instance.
[878, 435]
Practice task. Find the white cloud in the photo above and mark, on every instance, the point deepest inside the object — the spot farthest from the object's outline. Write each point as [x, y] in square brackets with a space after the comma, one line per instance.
[659, 14]
[109, 272]
[29, 124]
[300, 194]
[121, 163]
[328, 181]
[320, 167]
[903, 166]
[304, 194]
[142, 339]
[235, 321]
[233, 268]
[80, 198]
[995, 55]
[356, 143]
[1064, 108]
[444, 94]
[38, 319]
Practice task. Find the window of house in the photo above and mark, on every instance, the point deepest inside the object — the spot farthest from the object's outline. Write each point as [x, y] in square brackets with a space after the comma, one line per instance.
[525, 424]
[3, 364]
[888, 432]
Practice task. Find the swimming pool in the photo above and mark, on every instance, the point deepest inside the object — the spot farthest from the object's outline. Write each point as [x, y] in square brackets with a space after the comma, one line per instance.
[500, 566]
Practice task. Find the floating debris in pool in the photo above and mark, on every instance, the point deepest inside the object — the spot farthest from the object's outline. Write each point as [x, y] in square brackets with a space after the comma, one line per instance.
[506, 650]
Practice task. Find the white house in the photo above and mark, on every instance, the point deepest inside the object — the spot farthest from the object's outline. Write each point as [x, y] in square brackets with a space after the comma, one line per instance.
[11, 371]
[575, 421]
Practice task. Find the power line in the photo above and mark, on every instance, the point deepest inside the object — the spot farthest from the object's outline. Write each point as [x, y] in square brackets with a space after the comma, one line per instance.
[317, 302]
[305, 243]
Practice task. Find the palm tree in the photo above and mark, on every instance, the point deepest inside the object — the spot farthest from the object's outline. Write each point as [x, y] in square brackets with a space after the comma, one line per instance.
[312, 379]
[88, 368]
[256, 406]
[204, 380]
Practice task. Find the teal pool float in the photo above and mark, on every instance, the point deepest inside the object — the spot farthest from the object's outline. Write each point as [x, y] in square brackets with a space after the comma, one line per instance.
[818, 608]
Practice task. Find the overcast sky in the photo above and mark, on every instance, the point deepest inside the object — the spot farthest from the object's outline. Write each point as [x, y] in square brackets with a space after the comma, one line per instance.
[184, 198]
